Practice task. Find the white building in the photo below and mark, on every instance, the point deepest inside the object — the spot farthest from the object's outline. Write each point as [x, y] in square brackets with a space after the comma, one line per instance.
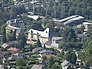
[34, 35]
[86, 25]
[16, 23]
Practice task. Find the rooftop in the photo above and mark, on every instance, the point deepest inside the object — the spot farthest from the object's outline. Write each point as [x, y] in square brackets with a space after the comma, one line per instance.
[44, 33]
[37, 66]
[12, 49]
[65, 63]
[35, 17]
[14, 21]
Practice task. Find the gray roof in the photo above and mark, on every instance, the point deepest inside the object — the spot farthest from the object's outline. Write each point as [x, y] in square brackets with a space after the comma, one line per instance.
[37, 66]
[12, 42]
[12, 21]
[37, 49]
[45, 51]
[66, 63]
[48, 43]
[57, 38]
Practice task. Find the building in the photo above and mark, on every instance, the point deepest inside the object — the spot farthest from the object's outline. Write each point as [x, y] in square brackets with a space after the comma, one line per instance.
[74, 21]
[65, 64]
[9, 28]
[34, 35]
[12, 49]
[54, 42]
[86, 26]
[36, 17]
[5, 45]
[16, 23]
[46, 38]
[40, 66]
[71, 21]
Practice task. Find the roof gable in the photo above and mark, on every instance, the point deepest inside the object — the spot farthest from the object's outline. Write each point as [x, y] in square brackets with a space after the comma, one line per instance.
[44, 33]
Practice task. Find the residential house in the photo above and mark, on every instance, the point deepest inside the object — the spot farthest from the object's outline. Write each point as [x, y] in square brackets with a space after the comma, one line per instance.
[41, 50]
[9, 28]
[5, 45]
[86, 26]
[45, 51]
[54, 42]
[37, 49]
[65, 64]
[15, 56]
[12, 49]
[40, 66]
[8, 44]
[36, 17]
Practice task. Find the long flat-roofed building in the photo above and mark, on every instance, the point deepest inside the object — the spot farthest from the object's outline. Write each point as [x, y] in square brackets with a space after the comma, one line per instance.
[71, 21]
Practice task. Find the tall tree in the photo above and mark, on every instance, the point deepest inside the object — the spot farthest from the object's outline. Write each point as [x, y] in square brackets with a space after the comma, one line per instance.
[56, 66]
[50, 62]
[4, 33]
[38, 44]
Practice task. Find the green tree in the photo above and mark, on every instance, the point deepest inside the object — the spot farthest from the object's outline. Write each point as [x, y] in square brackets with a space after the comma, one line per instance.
[69, 34]
[49, 25]
[56, 66]
[38, 44]
[61, 44]
[21, 40]
[1, 61]
[3, 30]
[14, 35]
[50, 62]
[71, 56]
[36, 26]
[20, 62]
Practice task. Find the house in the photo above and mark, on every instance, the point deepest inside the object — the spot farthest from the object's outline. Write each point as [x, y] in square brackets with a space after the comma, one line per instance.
[8, 44]
[41, 50]
[86, 26]
[34, 35]
[12, 49]
[9, 28]
[65, 64]
[54, 42]
[15, 56]
[5, 45]
[35, 17]
[44, 51]
[37, 49]
[19, 55]
[40, 66]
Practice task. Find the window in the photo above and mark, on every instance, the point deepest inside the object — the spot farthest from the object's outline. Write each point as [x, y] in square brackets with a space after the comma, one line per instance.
[46, 31]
